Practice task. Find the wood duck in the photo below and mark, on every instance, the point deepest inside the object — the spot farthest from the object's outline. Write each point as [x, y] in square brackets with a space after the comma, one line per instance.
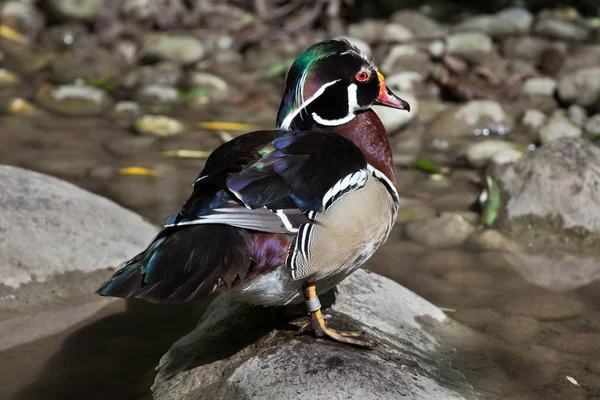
[280, 216]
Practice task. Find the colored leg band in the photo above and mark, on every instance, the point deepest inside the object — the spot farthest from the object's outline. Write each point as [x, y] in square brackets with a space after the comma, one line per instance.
[313, 304]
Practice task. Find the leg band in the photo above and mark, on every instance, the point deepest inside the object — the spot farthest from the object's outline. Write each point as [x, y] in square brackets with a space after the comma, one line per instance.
[313, 304]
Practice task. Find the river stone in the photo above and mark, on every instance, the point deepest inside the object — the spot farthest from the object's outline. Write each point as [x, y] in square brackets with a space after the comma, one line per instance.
[463, 120]
[77, 100]
[180, 49]
[418, 23]
[157, 95]
[471, 46]
[561, 30]
[22, 16]
[531, 123]
[557, 127]
[512, 21]
[447, 230]
[158, 125]
[76, 10]
[393, 119]
[218, 360]
[479, 154]
[558, 180]
[581, 87]
[404, 57]
[592, 126]
[539, 86]
[50, 227]
[8, 78]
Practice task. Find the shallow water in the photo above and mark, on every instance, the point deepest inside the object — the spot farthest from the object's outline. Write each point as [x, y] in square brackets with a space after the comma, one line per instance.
[536, 336]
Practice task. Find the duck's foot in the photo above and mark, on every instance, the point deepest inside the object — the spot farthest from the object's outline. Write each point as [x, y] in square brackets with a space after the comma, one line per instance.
[319, 327]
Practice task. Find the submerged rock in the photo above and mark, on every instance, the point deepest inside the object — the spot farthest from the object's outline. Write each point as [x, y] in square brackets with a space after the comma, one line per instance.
[220, 360]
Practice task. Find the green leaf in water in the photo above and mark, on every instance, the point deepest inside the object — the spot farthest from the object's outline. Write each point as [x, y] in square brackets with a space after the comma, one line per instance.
[194, 94]
[425, 166]
[492, 204]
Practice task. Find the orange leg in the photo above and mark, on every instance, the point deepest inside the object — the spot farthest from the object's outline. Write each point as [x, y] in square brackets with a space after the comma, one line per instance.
[318, 325]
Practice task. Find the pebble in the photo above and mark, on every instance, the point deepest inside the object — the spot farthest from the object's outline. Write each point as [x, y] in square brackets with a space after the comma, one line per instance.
[404, 81]
[8, 78]
[581, 87]
[138, 10]
[531, 123]
[471, 46]
[29, 19]
[457, 200]
[487, 116]
[592, 126]
[444, 231]
[181, 49]
[515, 329]
[157, 95]
[577, 114]
[404, 57]
[545, 306]
[75, 100]
[557, 127]
[540, 86]
[158, 125]
[80, 10]
[479, 154]
[130, 145]
[396, 33]
[561, 30]
[492, 240]
[512, 21]
[217, 89]
[418, 23]
[394, 120]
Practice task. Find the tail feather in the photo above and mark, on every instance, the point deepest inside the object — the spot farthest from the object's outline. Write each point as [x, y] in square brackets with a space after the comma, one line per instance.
[183, 264]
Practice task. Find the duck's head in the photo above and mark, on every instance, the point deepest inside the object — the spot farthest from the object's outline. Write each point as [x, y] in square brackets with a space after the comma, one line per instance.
[328, 84]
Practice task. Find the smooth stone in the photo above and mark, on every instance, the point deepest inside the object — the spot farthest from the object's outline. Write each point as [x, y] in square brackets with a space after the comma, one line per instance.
[545, 306]
[527, 48]
[367, 30]
[418, 23]
[131, 145]
[46, 213]
[415, 212]
[8, 78]
[98, 66]
[396, 33]
[464, 120]
[164, 73]
[158, 125]
[180, 49]
[456, 201]
[216, 87]
[542, 86]
[76, 100]
[157, 95]
[393, 120]
[446, 230]
[404, 81]
[479, 154]
[76, 10]
[511, 21]
[515, 329]
[592, 126]
[26, 16]
[581, 87]
[471, 46]
[531, 123]
[272, 364]
[561, 30]
[402, 58]
[577, 114]
[125, 111]
[558, 127]
[492, 240]
[19, 107]
[137, 10]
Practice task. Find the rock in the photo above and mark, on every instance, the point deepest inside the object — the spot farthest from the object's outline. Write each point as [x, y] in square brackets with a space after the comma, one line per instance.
[40, 215]
[367, 30]
[76, 10]
[180, 49]
[542, 86]
[163, 73]
[278, 364]
[492, 240]
[8, 78]
[471, 46]
[394, 120]
[76, 100]
[418, 23]
[512, 21]
[125, 112]
[557, 127]
[23, 17]
[515, 329]
[545, 306]
[558, 180]
[531, 123]
[404, 81]
[404, 57]
[130, 145]
[580, 57]
[447, 230]
[479, 154]
[577, 114]
[581, 87]
[97, 66]
[208, 85]
[562, 30]
[157, 95]
[592, 126]
[396, 33]
[138, 10]
[158, 125]
[72, 36]
[527, 48]
[19, 107]
[465, 119]
[413, 212]
[361, 44]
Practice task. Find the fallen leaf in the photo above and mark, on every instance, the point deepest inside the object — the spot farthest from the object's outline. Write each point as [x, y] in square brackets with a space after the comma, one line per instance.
[138, 171]
[227, 126]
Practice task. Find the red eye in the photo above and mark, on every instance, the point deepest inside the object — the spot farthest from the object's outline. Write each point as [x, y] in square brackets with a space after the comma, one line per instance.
[362, 76]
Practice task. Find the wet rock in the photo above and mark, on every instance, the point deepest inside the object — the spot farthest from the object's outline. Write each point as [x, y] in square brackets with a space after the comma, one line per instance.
[8, 78]
[471, 46]
[492, 240]
[158, 125]
[541, 86]
[592, 126]
[548, 182]
[439, 262]
[130, 145]
[394, 120]
[180, 49]
[545, 306]
[512, 21]
[157, 95]
[418, 23]
[96, 67]
[19, 107]
[531, 123]
[515, 329]
[469, 278]
[580, 57]
[404, 81]
[76, 10]
[444, 231]
[163, 73]
[265, 363]
[23, 17]
[577, 114]
[558, 127]
[46, 213]
[76, 100]
[404, 57]
[396, 33]
[479, 154]
[125, 112]
[456, 201]
[581, 87]
[464, 120]
[71, 36]
[126, 50]
[477, 318]
[562, 30]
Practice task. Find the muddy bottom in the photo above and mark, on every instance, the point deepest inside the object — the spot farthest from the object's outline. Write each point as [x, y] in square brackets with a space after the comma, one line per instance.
[546, 343]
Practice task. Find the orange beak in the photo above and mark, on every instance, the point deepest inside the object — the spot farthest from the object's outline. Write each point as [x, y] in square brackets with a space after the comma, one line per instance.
[388, 98]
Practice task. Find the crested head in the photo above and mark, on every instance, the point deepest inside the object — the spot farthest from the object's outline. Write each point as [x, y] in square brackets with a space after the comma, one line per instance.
[328, 84]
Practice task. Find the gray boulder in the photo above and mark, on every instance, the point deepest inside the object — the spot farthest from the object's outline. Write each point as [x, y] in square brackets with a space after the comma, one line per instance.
[53, 233]
[235, 354]
[581, 87]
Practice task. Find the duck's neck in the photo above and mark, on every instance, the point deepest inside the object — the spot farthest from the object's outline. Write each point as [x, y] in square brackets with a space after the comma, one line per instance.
[367, 132]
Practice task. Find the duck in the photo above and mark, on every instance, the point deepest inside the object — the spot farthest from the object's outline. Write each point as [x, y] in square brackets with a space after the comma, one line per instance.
[279, 217]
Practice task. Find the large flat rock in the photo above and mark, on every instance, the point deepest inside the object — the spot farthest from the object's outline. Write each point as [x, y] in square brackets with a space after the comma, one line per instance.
[239, 352]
